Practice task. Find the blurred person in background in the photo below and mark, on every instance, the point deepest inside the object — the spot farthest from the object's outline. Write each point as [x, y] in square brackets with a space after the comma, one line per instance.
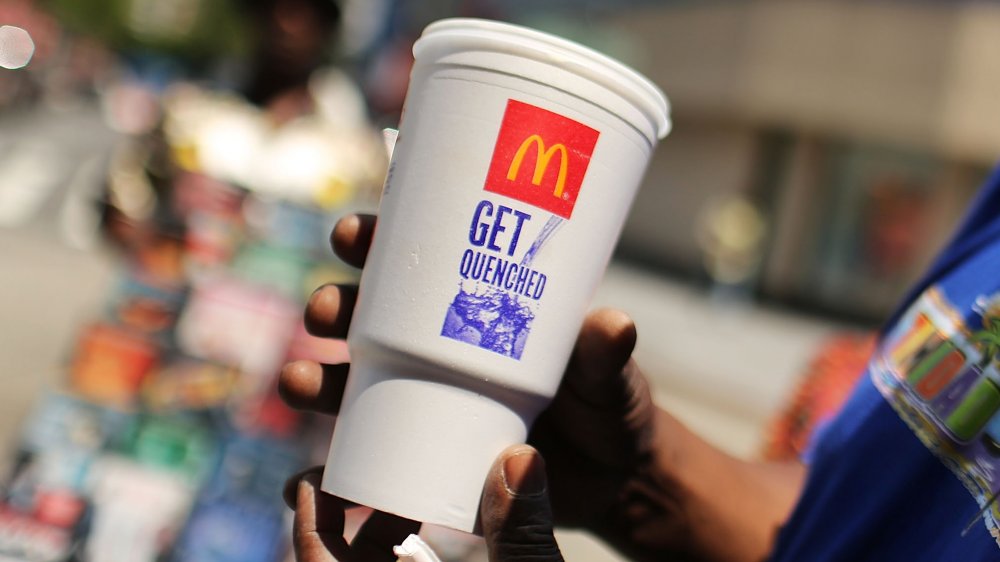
[294, 37]
[220, 195]
[219, 200]
[288, 110]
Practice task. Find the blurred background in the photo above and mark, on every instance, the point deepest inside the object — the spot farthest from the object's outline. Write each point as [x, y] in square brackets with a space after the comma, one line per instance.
[170, 170]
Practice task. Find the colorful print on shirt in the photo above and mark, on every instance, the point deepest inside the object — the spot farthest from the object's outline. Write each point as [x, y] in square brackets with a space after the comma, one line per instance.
[939, 368]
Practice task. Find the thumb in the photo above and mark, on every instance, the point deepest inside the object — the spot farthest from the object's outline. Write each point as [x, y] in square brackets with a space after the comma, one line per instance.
[515, 512]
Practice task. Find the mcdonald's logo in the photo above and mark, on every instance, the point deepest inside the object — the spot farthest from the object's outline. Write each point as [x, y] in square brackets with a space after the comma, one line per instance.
[540, 157]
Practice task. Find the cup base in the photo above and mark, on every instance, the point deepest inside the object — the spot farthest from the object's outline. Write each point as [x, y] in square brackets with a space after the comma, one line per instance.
[418, 448]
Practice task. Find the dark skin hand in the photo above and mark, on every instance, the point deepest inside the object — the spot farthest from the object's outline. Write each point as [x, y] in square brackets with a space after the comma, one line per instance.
[615, 464]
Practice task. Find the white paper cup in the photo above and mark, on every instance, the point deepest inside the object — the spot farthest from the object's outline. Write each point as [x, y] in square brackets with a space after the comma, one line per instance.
[518, 157]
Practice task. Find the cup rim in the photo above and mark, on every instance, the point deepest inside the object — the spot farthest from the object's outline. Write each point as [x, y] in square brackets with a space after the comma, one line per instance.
[500, 37]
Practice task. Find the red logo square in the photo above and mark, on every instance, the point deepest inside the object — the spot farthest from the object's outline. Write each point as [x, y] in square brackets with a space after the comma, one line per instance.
[540, 158]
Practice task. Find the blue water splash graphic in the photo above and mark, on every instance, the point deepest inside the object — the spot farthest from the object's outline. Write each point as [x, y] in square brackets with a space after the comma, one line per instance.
[495, 321]
[548, 229]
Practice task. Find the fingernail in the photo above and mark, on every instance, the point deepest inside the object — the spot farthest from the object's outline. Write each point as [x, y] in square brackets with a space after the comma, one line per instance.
[524, 474]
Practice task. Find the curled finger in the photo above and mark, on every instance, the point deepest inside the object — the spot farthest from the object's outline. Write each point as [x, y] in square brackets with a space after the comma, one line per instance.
[329, 310]
[290, 492]
[351, 238]
[318, 529]
[311, 386]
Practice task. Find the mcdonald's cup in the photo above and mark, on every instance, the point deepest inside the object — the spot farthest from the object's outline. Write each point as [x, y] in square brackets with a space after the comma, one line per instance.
[517, 160]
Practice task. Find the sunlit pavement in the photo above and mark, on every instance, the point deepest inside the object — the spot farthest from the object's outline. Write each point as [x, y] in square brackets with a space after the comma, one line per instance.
[723, 366]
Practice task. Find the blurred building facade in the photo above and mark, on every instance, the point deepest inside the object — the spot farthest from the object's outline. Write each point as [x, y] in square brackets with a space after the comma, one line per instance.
[860, 131]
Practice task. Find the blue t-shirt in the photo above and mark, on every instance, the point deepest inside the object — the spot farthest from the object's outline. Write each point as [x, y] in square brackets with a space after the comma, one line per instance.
[915, 451]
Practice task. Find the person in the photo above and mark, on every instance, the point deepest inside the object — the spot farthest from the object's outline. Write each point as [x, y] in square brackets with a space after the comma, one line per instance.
[627, 471]
[293, 38]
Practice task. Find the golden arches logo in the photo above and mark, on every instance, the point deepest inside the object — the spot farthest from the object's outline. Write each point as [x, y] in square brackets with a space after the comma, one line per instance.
[543, 157]
[523, 134]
